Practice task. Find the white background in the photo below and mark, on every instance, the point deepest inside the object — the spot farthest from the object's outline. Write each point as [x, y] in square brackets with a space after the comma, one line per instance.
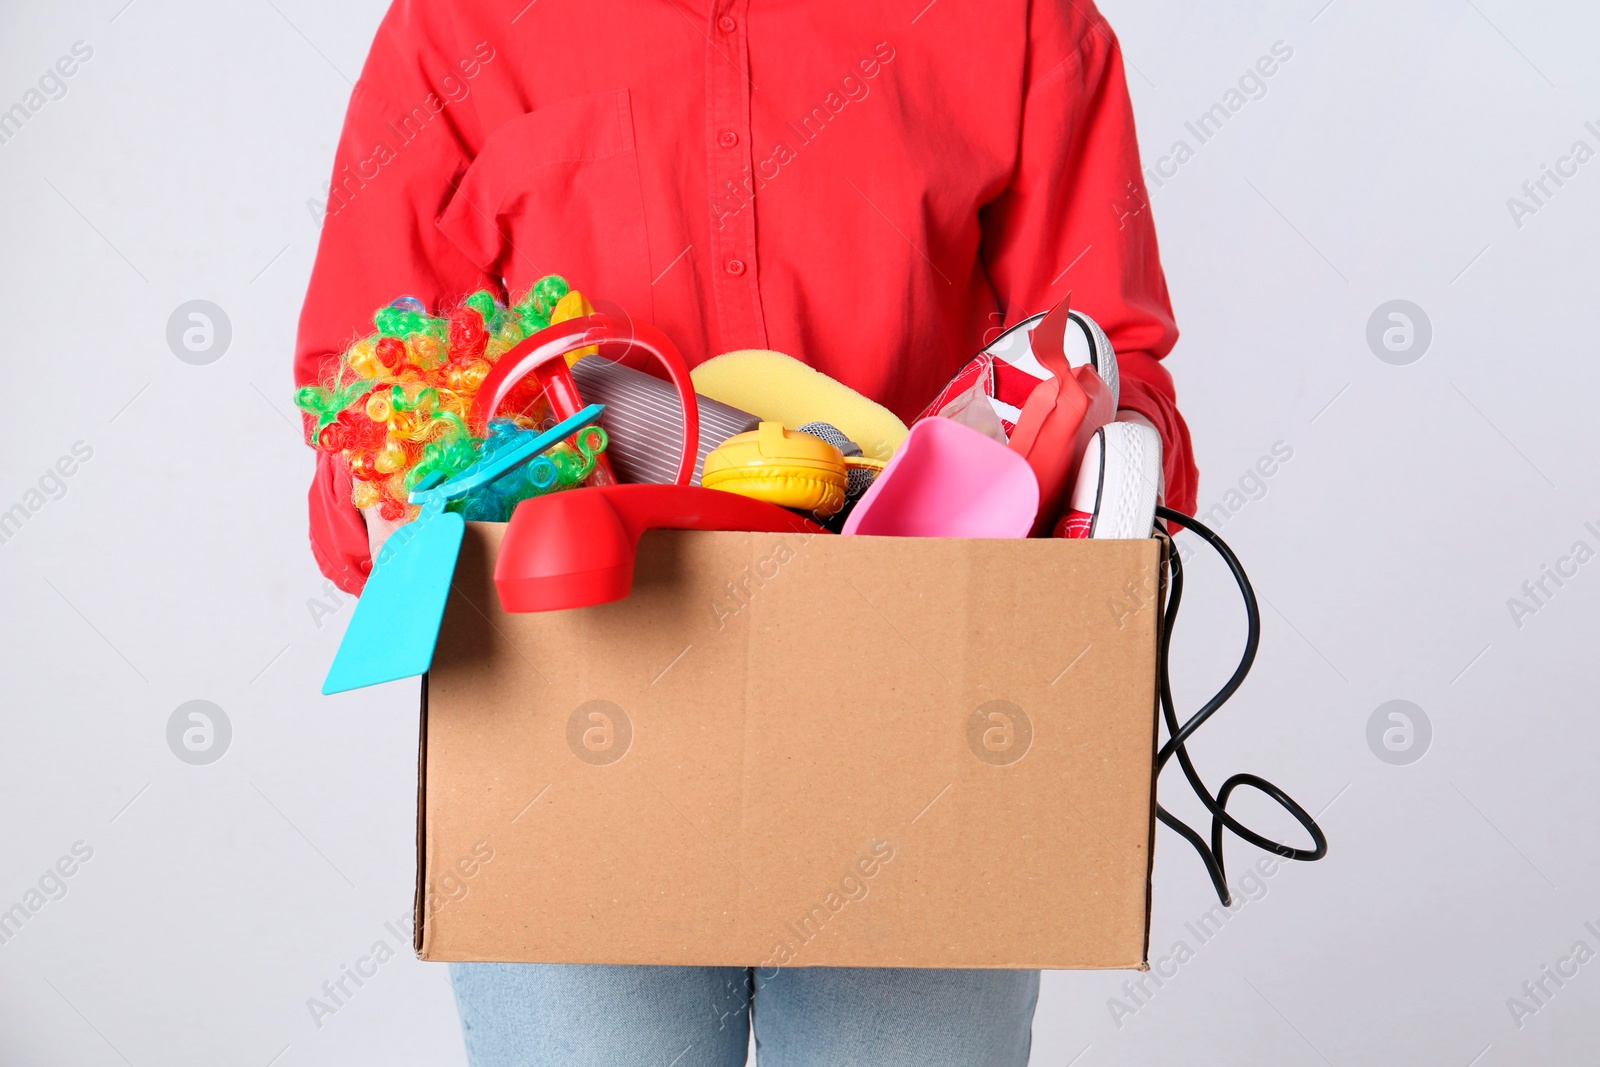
[1418, 500]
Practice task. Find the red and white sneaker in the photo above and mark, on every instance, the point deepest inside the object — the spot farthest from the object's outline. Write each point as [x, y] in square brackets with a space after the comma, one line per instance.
[1085, 345]
[1006, 372]
[1118, 484]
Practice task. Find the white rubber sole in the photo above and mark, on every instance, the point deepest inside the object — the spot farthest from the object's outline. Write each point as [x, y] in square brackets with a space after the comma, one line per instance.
[1119, 482]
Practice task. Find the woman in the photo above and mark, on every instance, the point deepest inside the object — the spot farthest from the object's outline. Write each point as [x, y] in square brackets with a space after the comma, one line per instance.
[873, 188]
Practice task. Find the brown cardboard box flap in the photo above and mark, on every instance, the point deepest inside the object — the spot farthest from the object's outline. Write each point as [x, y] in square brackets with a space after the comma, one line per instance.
[784, 750]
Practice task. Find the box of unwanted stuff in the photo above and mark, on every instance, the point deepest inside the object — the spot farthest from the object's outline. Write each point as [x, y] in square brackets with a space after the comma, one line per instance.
[791, 750]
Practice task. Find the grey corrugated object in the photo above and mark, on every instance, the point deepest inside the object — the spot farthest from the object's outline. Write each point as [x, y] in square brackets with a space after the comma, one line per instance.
[645, 422]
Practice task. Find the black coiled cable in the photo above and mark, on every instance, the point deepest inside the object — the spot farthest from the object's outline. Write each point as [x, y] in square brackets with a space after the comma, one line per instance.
[1178, 736]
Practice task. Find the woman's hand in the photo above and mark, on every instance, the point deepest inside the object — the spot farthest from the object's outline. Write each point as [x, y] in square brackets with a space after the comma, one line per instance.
[378, 529]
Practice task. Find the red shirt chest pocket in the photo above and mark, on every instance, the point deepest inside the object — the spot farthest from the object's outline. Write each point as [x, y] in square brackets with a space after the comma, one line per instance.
[556, 191]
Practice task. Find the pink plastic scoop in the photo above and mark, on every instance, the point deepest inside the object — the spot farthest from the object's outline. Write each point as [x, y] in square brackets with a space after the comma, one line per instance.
[948, 480]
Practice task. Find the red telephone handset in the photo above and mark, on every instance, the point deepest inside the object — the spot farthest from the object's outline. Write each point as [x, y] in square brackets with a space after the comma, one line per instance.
[1059, 416]
[576, 549]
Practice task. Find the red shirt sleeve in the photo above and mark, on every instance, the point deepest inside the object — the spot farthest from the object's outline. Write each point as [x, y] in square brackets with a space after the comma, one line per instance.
[404, 145]
[1076, 218]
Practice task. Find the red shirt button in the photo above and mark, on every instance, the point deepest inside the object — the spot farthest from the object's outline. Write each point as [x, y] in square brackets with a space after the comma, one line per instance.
[726, 24]
[735, 267]
[728, 139]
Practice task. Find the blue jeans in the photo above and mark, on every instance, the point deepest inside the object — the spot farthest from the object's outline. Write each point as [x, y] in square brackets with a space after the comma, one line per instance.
[531, 1015]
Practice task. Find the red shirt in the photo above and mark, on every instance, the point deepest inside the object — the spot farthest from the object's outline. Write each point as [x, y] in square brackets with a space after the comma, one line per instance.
[872, 189]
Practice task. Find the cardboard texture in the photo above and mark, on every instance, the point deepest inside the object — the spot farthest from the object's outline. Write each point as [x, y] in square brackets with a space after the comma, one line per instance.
[798, 751]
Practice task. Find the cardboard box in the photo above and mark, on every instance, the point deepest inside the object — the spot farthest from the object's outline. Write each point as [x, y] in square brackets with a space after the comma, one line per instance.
[798, 751]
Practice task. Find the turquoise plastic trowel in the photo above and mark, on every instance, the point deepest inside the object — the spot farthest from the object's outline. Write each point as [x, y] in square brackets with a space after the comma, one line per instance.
[396, 622]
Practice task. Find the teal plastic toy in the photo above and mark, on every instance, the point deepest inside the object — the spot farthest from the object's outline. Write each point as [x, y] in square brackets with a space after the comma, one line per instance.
[395, 626]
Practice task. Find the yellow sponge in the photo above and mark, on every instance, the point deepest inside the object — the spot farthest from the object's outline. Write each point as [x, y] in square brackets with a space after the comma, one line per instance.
[779, 388]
